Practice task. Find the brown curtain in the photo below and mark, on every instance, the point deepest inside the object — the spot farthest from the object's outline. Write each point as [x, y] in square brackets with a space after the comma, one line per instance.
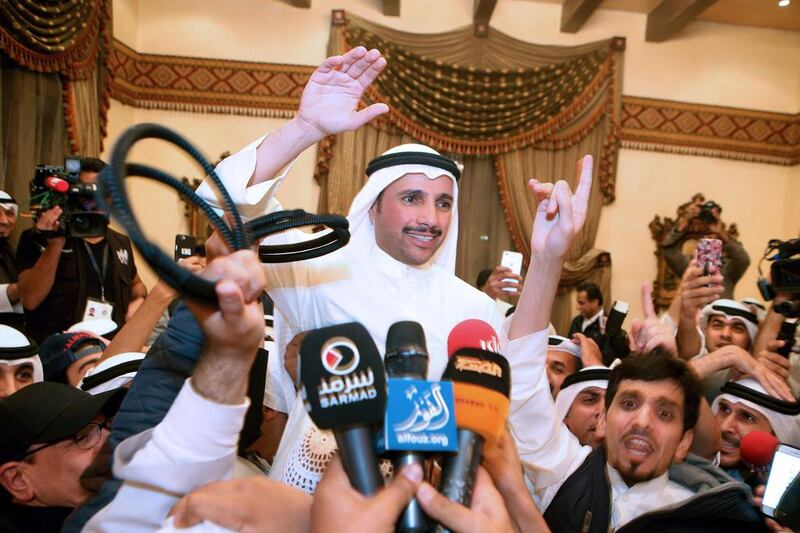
[507, 109]
[482, 232]
[54, 100]
[32, 128]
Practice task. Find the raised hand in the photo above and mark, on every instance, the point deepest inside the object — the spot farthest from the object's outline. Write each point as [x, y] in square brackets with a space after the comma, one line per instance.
[237, 324]
[560, 214]
[650, 333]
[591, 355]
[771, 359]
[698, 290]
[331, 97]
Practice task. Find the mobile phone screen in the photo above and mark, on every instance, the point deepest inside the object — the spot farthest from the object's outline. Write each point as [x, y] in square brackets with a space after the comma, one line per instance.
[184, 246]
[512, 260]
[785, 467]
[709, 255]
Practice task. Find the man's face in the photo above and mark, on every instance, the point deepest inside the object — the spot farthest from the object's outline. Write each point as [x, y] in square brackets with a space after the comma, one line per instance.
[644, 429]
[51, 476]
[559, 366]
[722, 331]
[735, 421]
[87, 176]
[77, 370]
[14, 377]
[7, 220]
[586, 307]
[412, 217]
[586, 417]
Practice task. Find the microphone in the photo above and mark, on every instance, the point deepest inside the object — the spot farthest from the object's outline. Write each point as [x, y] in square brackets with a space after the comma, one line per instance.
[757, 449]
[472, 333]
[57, 184]
[407, 359]
[344, 389]
[481, 383]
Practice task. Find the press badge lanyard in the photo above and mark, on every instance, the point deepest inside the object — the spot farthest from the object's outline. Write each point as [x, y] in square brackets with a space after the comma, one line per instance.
[100, 274]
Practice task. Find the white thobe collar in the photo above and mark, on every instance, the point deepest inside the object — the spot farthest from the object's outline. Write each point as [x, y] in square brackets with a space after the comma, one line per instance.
[394, 268]
[589, 321]
[628, 503]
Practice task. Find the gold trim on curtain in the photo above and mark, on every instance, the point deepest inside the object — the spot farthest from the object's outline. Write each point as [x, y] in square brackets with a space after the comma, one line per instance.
[46, 36]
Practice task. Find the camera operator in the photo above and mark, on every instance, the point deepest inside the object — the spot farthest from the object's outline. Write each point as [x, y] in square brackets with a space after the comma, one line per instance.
[10, 307]
[66, 279]
[736, 260]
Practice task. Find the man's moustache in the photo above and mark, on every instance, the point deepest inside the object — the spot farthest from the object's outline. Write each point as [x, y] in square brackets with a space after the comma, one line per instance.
[424, 229]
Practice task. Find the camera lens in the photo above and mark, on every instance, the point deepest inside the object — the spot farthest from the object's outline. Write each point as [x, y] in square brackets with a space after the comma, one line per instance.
[81, 223]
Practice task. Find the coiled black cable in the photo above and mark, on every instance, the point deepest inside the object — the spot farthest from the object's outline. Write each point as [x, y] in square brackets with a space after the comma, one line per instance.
[238, 236]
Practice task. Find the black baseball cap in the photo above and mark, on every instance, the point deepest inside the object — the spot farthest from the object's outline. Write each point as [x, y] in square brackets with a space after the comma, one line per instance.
[47, 412]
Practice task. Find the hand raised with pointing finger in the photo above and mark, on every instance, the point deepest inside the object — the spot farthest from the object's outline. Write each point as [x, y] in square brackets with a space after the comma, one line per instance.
[649, 333]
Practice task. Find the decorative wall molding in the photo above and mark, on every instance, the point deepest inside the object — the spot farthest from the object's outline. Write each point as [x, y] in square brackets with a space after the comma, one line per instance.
[202, 85]
[698, 129]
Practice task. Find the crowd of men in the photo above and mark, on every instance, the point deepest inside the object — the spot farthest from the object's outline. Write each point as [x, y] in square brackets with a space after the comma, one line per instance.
[115, 420]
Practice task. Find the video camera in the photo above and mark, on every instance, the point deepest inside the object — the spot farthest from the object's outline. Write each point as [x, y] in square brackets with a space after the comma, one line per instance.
[53, 186]
[784, 275]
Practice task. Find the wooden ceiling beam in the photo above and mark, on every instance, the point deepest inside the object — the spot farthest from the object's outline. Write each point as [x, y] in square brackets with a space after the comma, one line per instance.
[306, 4]
[575, 13]
[671, 16]
[391, 8]
[481, 16]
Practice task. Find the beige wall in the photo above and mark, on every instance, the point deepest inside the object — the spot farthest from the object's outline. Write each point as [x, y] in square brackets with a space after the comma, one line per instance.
[707, 63]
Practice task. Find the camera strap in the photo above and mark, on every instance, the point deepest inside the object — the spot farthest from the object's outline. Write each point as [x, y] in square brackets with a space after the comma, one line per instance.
[101, 274]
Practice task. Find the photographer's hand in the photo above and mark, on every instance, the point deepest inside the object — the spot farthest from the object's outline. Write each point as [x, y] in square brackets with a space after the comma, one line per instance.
[35, 283]
[50, 221]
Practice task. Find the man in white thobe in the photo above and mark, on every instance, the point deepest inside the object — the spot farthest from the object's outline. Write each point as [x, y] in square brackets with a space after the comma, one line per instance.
[400, 262]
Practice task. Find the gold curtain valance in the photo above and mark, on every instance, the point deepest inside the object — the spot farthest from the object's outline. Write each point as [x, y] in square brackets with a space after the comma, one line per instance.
[469, 103]
[63, 36]
[460, 94]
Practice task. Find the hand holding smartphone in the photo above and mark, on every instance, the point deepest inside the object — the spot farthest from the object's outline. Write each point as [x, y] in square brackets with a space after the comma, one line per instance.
[512, 260]
[783, 473]
[709, 256]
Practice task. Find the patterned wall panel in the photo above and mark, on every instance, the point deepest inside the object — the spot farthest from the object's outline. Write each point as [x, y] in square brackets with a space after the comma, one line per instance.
[270, 89]
[696, 129]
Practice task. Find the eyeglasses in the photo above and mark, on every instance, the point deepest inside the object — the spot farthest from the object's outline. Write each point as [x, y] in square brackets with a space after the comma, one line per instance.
[85, 439]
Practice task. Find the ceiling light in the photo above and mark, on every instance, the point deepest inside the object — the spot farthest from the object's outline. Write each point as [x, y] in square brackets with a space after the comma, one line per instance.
[784, 3]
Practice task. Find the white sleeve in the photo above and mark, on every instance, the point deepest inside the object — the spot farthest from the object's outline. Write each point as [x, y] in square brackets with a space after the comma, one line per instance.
[5, 304]
[235, 172]
[286, 281]
[548, 451]
[193, 445]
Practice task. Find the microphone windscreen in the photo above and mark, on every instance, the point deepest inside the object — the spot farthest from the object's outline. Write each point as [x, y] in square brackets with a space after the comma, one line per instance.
[481, 387]
[342, 376]
[404, 334]
[406, 351]
[758, 447]
[472, 333]
[57, 184]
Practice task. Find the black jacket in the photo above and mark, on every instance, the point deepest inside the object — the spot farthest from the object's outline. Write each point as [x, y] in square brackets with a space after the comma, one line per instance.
[721, 505]
[66, 302]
